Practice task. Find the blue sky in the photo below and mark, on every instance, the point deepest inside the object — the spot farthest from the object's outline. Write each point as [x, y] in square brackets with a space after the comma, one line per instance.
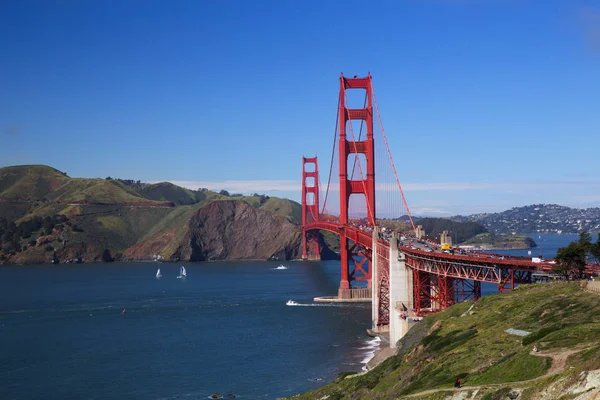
[487, 104]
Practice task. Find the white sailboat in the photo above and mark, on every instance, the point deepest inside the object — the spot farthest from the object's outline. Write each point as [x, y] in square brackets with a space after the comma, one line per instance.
[158, 274]
[182, 273]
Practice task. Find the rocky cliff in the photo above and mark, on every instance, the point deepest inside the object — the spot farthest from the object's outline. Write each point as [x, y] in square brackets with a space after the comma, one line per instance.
[224, 230]
[234, 230]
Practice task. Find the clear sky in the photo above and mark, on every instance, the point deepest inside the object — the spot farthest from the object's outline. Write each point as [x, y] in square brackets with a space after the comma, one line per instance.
[487, 104]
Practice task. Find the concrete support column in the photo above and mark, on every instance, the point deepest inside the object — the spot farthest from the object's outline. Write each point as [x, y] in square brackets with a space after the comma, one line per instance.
[401, 293]
[374, 282]
[434, 290]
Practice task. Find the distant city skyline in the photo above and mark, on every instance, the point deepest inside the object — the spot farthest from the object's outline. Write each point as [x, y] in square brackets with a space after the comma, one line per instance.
[486, 105]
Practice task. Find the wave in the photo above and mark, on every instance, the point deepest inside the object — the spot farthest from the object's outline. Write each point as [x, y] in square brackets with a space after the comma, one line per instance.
[280, 267]
[371, 346]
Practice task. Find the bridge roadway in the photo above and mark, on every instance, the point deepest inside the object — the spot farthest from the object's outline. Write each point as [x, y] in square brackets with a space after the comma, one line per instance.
[481, 267]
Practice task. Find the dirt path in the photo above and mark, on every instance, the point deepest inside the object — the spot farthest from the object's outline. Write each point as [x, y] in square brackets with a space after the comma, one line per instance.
[559, 364]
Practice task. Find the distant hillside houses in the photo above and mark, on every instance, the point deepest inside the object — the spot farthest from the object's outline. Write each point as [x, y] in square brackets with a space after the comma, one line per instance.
[539, 218]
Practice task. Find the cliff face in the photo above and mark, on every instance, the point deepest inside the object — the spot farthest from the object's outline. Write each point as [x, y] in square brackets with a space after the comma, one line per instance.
[234, 230]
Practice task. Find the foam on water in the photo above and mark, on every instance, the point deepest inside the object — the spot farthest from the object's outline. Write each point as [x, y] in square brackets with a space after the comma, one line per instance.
[312, 305]
[371, 347]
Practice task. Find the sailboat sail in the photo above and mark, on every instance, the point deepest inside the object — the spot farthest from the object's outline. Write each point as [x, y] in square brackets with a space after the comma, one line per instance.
[182, 273]
[158, 274]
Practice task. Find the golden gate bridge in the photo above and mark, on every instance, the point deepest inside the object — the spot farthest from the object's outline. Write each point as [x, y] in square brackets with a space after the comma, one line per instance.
[401, 282]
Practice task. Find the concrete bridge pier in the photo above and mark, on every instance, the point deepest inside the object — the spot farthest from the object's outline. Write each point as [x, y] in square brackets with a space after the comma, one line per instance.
[401, 293]
[375, 283]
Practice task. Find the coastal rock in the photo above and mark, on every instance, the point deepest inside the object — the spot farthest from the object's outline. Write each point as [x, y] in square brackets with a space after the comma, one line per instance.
[45, 239]
[162, 244]
[234, 230]
[75, 251]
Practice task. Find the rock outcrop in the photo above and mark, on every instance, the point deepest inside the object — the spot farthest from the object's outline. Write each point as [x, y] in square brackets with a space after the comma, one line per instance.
[234, 230]
[162, 243]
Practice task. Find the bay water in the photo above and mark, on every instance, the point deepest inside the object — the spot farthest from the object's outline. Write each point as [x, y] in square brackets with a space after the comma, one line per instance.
[224, 329]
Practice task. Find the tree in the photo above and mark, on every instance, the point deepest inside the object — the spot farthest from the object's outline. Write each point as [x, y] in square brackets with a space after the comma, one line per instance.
[224, 192]
[585, 240]
[571, 260]
[595, 249]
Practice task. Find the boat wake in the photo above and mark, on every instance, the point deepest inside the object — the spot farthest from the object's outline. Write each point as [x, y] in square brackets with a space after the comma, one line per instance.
[280, 267]
[296, 304]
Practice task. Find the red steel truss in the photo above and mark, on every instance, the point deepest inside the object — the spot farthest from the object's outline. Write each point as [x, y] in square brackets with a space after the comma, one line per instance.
[504, 275]
[465, 290]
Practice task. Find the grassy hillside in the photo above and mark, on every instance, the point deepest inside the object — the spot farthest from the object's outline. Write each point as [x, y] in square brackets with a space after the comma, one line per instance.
[165, 191]
[284, 207]
[563, 320]
[32, 182]
[101, 214]
[96, 191]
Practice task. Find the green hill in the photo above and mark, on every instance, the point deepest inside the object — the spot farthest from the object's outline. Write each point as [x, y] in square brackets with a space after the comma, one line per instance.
[29, 182]
[165, 191]
[469, 341]
[43, 211]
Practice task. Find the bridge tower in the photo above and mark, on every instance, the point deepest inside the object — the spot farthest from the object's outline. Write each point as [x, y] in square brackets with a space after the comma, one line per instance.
[310, 208]
[349, 186]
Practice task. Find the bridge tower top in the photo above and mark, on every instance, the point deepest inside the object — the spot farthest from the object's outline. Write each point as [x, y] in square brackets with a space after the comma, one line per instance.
[310, 190]
[348, 144]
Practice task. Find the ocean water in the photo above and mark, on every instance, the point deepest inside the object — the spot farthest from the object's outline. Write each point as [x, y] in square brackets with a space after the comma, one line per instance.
[547, 246]
[225, 329]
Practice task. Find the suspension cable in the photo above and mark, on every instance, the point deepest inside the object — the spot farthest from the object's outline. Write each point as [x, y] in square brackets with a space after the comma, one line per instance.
[337, 120]
[390, 156]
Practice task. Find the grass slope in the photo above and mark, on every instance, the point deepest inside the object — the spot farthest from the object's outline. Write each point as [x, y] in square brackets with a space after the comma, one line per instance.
[166, 191]
[32, 182]
[476, 348]
[96, 191]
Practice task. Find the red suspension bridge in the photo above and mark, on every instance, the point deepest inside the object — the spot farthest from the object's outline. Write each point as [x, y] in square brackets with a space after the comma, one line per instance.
[400, 280]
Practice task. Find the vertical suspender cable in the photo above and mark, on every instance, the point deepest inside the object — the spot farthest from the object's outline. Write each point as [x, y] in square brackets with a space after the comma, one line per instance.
[391, 160]
[337, 120]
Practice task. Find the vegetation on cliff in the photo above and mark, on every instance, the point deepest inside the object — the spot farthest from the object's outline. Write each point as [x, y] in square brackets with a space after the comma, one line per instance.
[43, 213]
[469, 341]
[499, 242]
